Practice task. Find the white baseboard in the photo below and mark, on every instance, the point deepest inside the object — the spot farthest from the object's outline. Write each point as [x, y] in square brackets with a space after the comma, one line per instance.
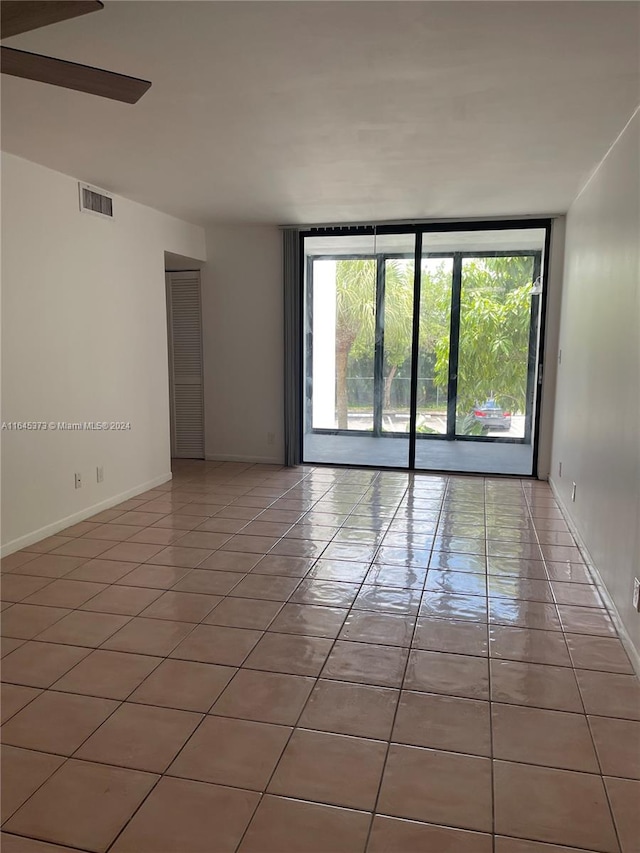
[253, 460]
[87, 512]
[625, 639]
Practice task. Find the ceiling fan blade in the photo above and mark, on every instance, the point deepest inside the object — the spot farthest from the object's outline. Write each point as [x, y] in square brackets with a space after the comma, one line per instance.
[20, 16]
[70, 75]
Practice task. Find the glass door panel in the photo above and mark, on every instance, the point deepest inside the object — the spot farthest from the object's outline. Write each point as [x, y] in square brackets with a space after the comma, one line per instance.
[359, 309]
[433, 347]
[439, 373]
[494, 342]
[482, 351]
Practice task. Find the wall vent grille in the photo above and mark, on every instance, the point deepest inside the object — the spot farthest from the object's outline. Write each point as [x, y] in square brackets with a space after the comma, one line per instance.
[93, 200]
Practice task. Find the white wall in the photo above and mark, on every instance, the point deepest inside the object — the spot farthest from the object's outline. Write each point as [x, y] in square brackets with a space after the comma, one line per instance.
[242, 319]
[83, 339]
[550, 361]
[597, 412]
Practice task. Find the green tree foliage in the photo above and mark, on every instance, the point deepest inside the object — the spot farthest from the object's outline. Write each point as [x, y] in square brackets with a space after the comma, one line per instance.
[495, 309]
[355, 320]
[494, 325]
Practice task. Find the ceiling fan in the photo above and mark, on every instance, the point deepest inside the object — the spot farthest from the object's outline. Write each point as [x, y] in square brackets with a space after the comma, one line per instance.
[20, 16]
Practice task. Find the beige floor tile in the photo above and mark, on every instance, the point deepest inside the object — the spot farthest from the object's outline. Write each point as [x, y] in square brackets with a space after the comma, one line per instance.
[581, 594]
[40, 664]
[23, 771]
[50, 566]
[181, 606]
[17, 559]
[141, 737]
[156, 536]
[524, 614]
[185, 685]
[9, 644]
[209, 582]
[609, 694]
[289, 826]
[174, 555]
[392, 834]
[18, 587]
[216, 644]
[14, 697]
[520, 845]
[443, 722]
[125, 600]
[101, 571]
[148, 636]
[17, 844]
[586, 620]
[83, 805]
[437, 787]
[244, 613]
[182, 815]
[109, 675]
[267, 697]
[563, 807]
[139, 518]
[351, 709]
[26, 621]
[386, 599]
[325, 593]
[294, 567]
[269, 587]
[444, 605]
[207, 540]
[624, 796]
[382, 628]
[309, 620]
[529, 645]
[454, 675]
[618, 746]
[290, 654]
[537, 736]
[534, 684]
[231, 561]
[57, 722]
[449, 635]
[81, 628]
[330, 768]
[82, 548]
[114, 532]
[132, 552]
[239, 753]
[602, 653]
[366, 663]
[64, 593]
[154, 577]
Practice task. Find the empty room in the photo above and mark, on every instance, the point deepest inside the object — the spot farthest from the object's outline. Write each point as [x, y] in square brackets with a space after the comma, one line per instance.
[320, 463]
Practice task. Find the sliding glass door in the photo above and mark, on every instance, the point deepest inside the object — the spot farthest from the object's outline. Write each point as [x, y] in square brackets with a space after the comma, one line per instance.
[421, 346]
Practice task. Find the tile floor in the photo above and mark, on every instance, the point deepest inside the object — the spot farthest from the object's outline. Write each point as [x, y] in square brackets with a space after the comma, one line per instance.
[316, 660]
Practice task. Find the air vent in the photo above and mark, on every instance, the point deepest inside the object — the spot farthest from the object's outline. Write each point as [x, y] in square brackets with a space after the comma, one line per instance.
[93, 200]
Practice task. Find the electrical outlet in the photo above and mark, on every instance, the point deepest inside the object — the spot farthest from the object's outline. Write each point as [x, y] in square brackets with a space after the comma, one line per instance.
[573, 493]
[271, 438]
[99, 474]
[636, 594]
[78, 481]
[559, 469]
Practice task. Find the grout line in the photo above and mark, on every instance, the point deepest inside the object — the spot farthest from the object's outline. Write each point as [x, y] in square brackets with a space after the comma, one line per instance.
[388, 528]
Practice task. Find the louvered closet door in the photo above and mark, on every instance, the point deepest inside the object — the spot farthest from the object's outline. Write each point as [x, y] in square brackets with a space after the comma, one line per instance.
[185, 365]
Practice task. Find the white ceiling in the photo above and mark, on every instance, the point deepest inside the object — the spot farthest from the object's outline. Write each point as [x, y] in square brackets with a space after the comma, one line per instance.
[302, 112]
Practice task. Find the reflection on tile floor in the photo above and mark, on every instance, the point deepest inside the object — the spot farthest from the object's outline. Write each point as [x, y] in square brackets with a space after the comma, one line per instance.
[271, 660]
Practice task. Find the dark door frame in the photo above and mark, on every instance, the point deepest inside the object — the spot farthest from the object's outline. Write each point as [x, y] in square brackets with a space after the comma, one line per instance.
[536, 331]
